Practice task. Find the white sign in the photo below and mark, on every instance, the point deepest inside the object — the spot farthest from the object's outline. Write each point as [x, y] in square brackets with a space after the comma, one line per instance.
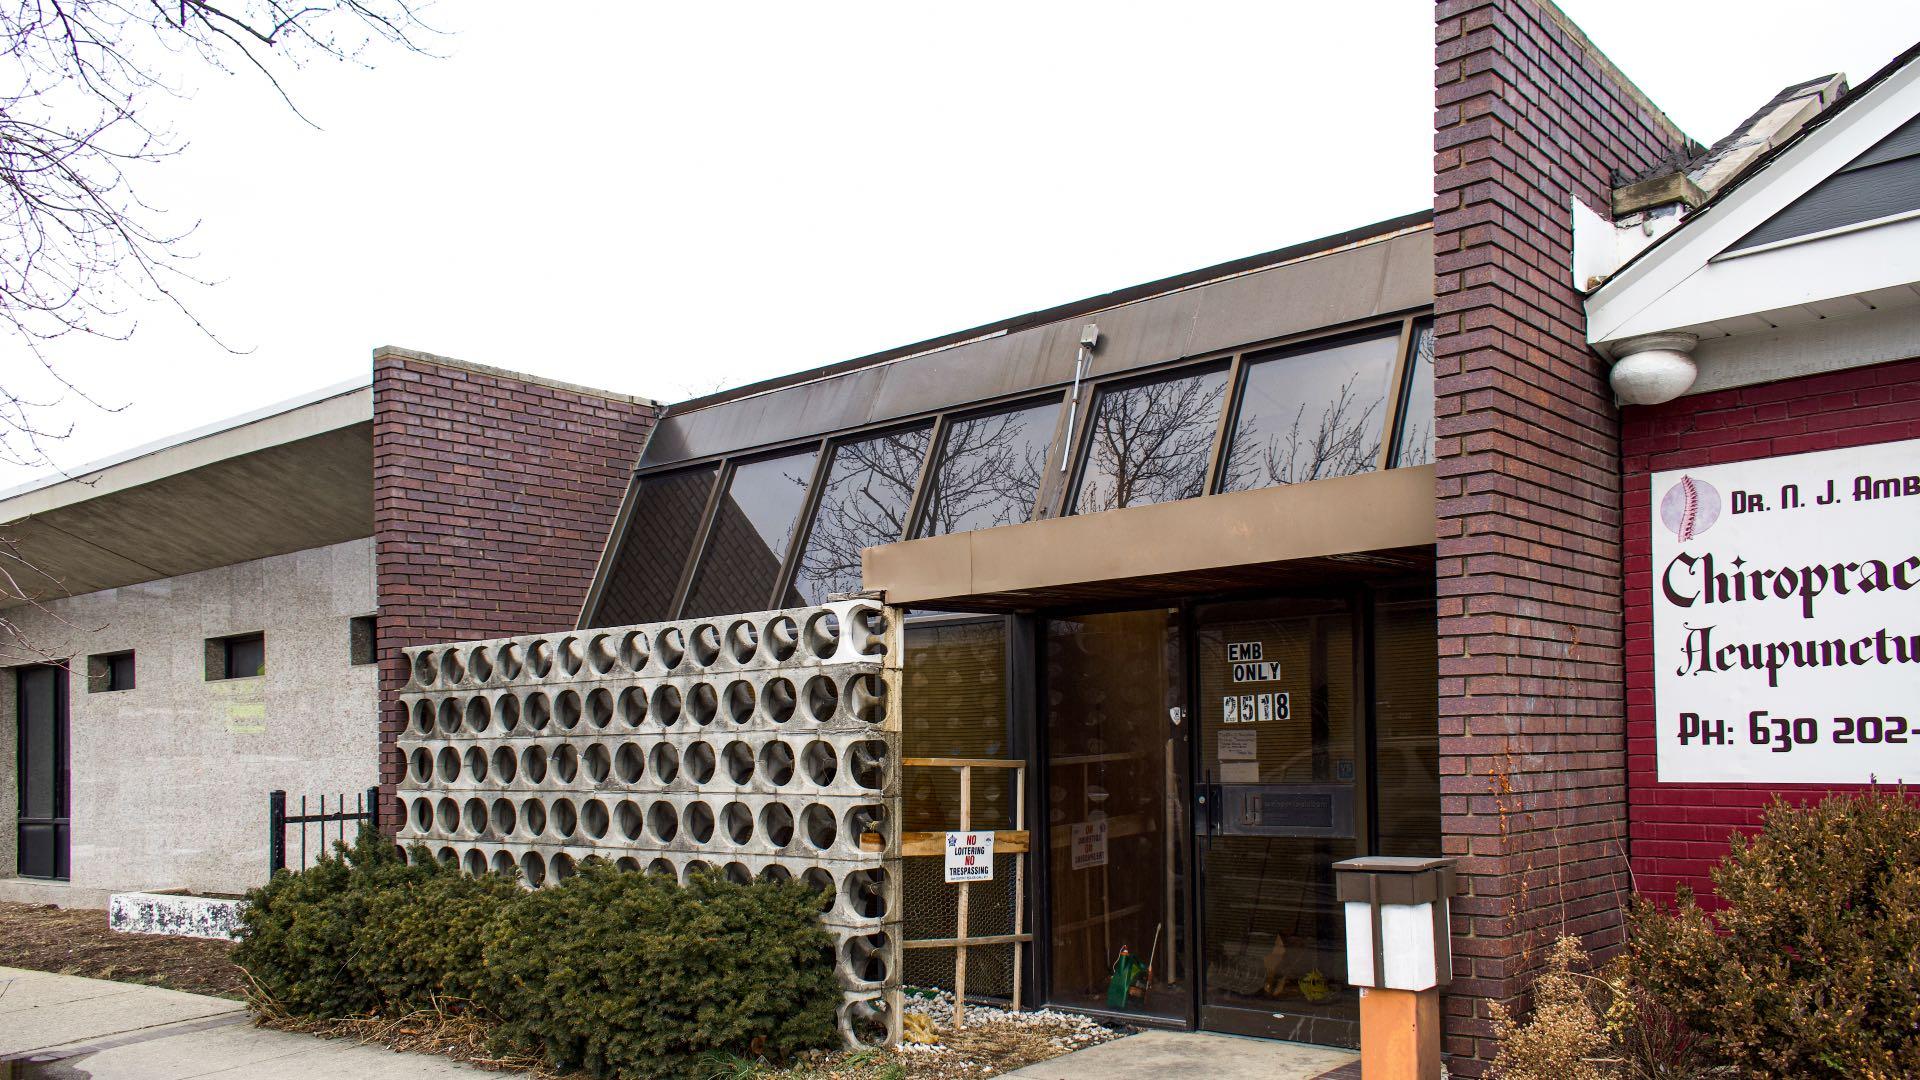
[1786, 619]
[1090, 845]
[1239, 746]
[1244, 659]
[969, 856]
[1253, 708]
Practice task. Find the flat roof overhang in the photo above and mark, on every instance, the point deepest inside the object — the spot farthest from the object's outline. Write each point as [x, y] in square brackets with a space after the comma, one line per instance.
[1377, 524]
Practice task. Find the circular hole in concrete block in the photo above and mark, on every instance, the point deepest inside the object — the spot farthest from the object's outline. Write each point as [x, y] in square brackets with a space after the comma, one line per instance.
[506, 710]
[449, 715]
[539, 658]
[480, 663]
[738, 873]
[452, 671]
[669, 648]
[704, 644]
[737, 820]
[565, 763]
[666, 705]
[865, 957]
[508, 659]
[776, 824]
[503, 862]
[866, 893]
[820, 762]
[739, 701]
[869, 629]
[479, 713]
[818, 826]
[777, 700]
[867, 698]
[477, 764]
[533, 869]
[627, 864]
[562, 817]
[633, 706]
[505, 818]
[822, 634]
[776, 763]
[663, 821]
[562, 866]
[627, 815]
[568, 653]
[600, 707]
[743, 640]
[702, 703]
[600, 654]
[566, 710]
[629, 764]
[475, 862]
[864, 820]
[425, 671]
[869, 1021]
[422, 765]
[533, 764]
[423, 717]
[539, 711]
[449, 856]
[422, 815]
[775, 873]
[739, 759]
[474, 813]
[533, 816]
[448, 813]
[694, 868]
[633, 650]
[666, 763]
[598, 761]
[867, 762]
[821, 881]
[698, 821]
[662, 868]
[505, 765]
[449, 765]
[822, 698]
[782, 637]
[594, 818]
[698, 761]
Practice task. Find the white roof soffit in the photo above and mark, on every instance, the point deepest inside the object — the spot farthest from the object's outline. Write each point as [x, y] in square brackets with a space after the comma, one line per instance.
[1679, 285]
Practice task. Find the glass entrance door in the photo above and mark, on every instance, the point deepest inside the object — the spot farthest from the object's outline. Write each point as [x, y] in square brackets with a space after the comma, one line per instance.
[1280, 767]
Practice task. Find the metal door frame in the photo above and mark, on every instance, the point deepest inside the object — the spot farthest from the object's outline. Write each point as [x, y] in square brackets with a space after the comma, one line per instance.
[61, 822]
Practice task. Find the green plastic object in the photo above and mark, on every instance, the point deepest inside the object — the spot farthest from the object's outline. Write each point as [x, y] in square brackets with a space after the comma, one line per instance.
[1126, 970]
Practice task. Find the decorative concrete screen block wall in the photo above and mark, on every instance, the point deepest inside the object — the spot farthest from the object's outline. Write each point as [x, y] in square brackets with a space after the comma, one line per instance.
[759, 745]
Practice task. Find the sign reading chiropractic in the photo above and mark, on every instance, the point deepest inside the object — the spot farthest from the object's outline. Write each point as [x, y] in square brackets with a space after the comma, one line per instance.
[1786, 619]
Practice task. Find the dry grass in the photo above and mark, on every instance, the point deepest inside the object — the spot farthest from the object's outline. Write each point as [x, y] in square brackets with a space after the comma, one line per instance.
[76, 941]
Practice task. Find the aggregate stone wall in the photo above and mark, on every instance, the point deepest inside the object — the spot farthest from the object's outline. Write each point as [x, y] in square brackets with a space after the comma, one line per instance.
[758, 745]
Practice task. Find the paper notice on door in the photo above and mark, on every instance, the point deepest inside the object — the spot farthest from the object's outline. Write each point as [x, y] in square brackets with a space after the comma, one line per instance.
[1090, 845]
[1239, 746]
[1239, 772]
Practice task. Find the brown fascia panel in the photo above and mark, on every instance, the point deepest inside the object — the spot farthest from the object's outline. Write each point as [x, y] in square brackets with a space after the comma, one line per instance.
[1376, 511]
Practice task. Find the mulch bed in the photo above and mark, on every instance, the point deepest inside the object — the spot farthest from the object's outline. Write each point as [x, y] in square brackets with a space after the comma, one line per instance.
[76, 941]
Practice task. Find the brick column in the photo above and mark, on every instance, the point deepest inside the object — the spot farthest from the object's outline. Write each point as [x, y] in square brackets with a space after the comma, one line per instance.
[493, 493]
[1529, 115]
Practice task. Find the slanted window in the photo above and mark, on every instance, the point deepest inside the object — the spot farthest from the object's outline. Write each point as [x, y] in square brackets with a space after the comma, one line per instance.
[110, 671]
[1415, 443]
[864, 501]
[362, 639]
[988, 470]
[1150, 442]
[751, 531]
[242, 656]
[662, 521]
[1310, 414]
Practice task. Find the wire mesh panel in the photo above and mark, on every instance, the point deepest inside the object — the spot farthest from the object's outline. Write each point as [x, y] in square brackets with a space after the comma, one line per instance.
[757, 745]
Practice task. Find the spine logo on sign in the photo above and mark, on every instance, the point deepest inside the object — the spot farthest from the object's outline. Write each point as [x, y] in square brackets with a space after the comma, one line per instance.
[1787, 641]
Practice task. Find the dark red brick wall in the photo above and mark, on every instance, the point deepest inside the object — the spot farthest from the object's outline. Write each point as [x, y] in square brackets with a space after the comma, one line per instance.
[1532, 726]
[493, 497]
[1680, 830]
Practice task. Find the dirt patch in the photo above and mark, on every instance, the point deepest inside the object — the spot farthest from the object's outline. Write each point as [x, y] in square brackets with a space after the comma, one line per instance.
[76, 941]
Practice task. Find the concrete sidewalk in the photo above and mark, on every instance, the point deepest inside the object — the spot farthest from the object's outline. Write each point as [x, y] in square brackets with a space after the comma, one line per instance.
[1152, 1055]
[65, 1028]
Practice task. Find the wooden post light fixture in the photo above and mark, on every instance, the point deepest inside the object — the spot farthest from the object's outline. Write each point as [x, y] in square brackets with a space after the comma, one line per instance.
[1399, 953]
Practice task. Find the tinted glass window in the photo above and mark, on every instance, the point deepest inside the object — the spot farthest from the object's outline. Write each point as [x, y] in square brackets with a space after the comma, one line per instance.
[653, 551]
[1416, 417]
[751, 530]
[1311, 415]
[868, 493]
[988, 471]
[1149, 443]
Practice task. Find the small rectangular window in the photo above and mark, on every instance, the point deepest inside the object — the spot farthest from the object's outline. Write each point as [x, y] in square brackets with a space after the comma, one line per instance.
[989, 469]
[242, 656]
[1310, 414]
[1414, 446]
[748, 540]
[863, 503]
[110, 671]
[362, 637]
[1150, 442]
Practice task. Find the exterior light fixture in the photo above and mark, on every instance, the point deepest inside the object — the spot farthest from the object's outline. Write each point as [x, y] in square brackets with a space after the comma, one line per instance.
[1653, 368]
[1399, 953]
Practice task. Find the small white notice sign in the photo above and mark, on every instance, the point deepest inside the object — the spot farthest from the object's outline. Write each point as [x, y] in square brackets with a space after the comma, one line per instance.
[1090, 845]
[1239, 746]
[969, 856]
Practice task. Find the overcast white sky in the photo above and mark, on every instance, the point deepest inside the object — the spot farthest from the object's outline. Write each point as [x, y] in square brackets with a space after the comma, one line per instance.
[664, 199]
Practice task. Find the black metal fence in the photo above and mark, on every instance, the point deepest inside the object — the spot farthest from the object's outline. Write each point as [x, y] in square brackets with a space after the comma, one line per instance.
[366, 807]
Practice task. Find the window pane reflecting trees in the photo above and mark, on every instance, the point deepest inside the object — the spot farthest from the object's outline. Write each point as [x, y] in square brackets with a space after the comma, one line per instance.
[1416, 415]
[865, 501]
[1149, 443]
[752, 528]
[661, 525]
[988, 470]
[1310, 415]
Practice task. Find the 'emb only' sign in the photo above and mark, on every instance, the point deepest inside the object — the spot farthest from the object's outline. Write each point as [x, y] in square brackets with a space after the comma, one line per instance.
[969, 856]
